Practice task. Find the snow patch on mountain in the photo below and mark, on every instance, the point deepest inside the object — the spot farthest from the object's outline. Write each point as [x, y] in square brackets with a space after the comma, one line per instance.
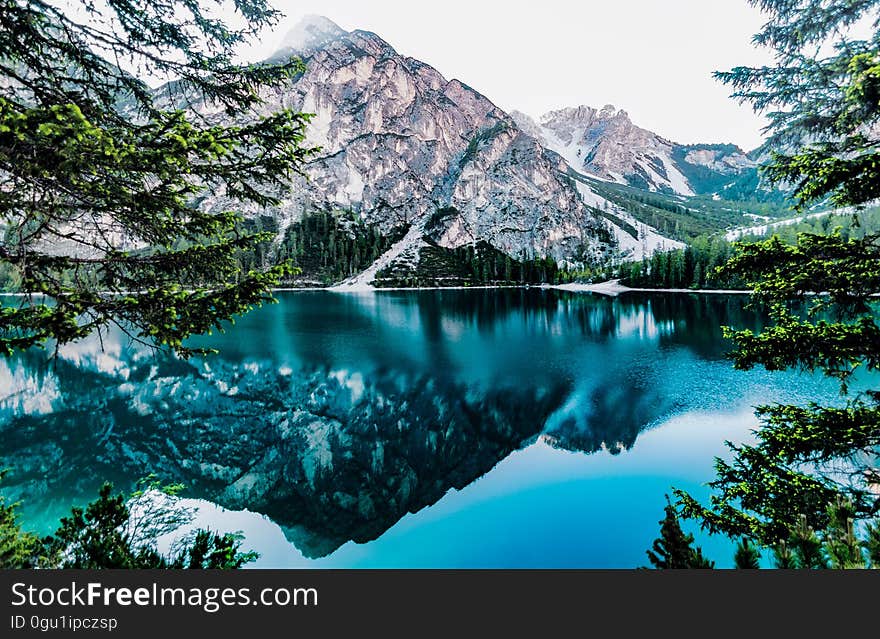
[717, 161]
[648, 240]
[762, 229]
[566, 141]
[411, 242]
[400, 142]
[676, 178]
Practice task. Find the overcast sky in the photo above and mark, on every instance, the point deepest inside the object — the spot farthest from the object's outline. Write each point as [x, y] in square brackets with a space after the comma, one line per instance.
[653, 58]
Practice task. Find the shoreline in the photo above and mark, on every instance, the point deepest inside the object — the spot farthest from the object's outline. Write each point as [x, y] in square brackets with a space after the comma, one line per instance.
[611, 288]
[615, 288]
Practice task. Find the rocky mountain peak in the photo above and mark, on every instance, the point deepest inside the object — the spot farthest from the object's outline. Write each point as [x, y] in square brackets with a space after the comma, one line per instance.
[431, 161]
[605, 143]
[610, 111]
[403, 149]
[311, 33]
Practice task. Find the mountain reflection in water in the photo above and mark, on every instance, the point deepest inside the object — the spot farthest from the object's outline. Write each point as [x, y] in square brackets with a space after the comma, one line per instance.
[336, 415]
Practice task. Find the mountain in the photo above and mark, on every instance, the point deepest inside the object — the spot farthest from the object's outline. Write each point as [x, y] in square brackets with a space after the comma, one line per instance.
[606, 144]
[310, 34]
[410, 152]
[422, 180]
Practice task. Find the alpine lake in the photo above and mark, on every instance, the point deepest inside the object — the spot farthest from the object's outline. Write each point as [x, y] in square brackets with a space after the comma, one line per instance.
[491, 428]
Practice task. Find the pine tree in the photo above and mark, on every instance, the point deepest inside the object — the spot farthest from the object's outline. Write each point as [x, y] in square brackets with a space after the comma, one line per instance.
[820, 105]
[747, 556]
[806, 546]
[872, 545]
[100, 176]
[108, 533]
[698, 276]
[674, 549]
[783, 557]
[118, 532]
[18, 549]
[821, 98]
[840, 545]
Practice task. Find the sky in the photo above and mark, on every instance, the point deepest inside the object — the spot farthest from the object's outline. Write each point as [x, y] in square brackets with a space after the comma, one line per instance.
[652, 58]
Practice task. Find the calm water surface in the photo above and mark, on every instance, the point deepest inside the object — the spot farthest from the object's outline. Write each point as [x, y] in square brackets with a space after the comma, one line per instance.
[490, 428]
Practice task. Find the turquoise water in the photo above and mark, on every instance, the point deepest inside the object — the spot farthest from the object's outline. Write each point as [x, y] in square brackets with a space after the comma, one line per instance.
[486, 428]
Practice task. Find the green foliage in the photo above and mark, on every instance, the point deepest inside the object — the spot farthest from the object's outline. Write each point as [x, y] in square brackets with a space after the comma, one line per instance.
[118, 532]
[94, 537]
[10, 278]
[100, 176]
[329, 247]
[620, 223]
[841, 547]
[837, 546]
[18, 549]
[479, 264]
[747, 557]
[693, 267]
[856, 225]
[674, 549]
[872, 544]
[807, 547]
[678, 217]
[699, 266]
[820, 98]
[783, 557]
[819, 292]
[743, 188]
[210, 551]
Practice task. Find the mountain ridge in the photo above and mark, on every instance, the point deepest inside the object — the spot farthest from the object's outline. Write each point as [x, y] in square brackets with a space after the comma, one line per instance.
[400, 142]
[605, 143]
[433, 161]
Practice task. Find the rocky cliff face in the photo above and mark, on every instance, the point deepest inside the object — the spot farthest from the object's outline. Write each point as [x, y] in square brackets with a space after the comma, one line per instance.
[399, 141]
[605, 143]
[438, 164]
